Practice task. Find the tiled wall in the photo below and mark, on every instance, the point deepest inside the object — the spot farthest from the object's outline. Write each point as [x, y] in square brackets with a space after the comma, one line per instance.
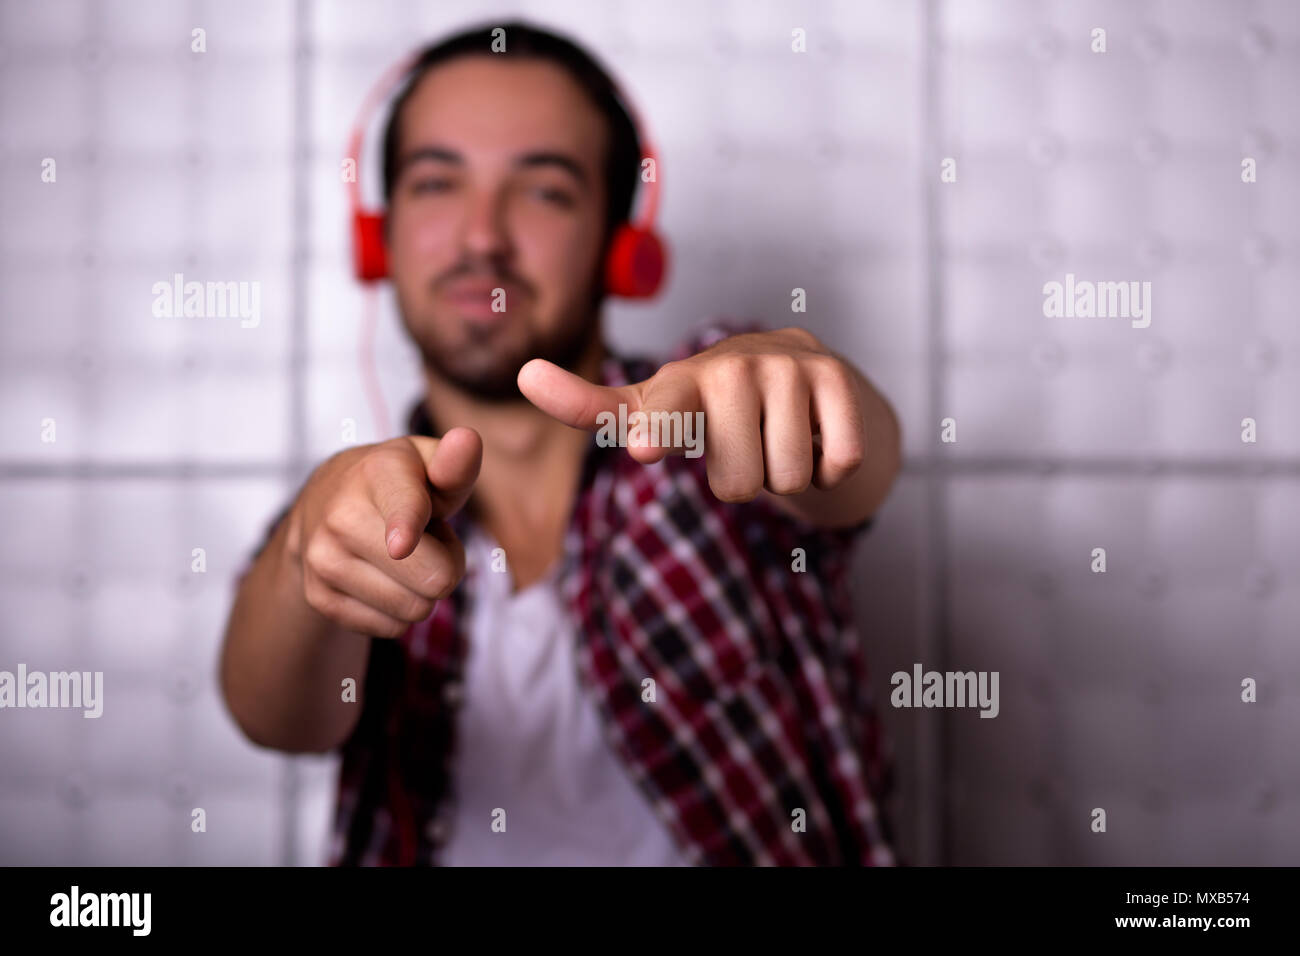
[780, 170]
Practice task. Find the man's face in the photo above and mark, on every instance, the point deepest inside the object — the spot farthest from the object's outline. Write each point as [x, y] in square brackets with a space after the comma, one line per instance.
[500, 185]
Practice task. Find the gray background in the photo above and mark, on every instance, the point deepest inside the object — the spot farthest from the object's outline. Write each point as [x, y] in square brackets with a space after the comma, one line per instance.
[779, 170]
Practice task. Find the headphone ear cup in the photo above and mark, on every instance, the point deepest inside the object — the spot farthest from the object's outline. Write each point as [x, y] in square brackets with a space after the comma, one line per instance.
[369, 253]
[634, 267]
[636, 263]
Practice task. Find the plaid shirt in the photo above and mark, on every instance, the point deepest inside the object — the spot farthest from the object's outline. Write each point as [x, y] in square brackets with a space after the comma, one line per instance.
[761, 707]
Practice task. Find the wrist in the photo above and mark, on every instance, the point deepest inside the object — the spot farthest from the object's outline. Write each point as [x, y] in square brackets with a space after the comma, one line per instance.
[290, 534]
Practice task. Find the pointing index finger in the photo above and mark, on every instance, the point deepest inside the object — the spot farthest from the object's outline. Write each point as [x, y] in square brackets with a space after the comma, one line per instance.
[429, 478]
[397, 489]
[570, 398]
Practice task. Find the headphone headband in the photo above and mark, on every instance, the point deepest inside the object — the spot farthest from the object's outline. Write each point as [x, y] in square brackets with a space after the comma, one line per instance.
[635, 261]
[380, 91]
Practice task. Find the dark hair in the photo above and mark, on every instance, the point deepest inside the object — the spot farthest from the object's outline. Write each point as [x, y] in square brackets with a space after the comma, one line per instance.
[623, 161]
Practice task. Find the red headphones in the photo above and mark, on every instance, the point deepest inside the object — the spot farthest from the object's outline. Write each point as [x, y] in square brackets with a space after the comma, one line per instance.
[635, 262]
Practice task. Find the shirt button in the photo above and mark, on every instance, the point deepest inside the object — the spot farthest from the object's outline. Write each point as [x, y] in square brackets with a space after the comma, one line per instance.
[452, 693]
[438, 831]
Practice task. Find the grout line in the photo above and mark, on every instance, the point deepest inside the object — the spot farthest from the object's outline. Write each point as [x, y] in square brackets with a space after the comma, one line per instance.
[300, 211]
[934, 843]
[92, 288]
[146, 471]
[1053, 467]
[295, 468]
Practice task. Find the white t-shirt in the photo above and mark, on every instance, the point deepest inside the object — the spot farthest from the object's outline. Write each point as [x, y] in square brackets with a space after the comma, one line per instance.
[530, 742]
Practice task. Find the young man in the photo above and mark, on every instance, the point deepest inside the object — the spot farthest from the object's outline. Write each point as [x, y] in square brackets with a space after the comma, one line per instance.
[566, 652]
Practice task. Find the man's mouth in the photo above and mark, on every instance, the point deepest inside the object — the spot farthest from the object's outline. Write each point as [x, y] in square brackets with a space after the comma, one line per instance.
[483, 302]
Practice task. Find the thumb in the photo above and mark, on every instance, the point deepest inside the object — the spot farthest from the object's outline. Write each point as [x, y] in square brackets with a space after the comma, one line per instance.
[451, 465]
[570, 398]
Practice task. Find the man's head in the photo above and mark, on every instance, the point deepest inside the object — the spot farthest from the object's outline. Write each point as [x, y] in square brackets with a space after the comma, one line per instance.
[505, 171]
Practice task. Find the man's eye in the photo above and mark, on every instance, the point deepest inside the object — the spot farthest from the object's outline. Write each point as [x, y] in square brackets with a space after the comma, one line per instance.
[556, 196]
[431, 185]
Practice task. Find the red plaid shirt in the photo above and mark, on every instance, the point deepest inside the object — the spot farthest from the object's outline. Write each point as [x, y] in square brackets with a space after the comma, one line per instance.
[762, 707]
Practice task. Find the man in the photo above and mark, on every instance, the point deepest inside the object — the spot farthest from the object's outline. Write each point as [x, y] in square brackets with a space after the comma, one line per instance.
[567, 652]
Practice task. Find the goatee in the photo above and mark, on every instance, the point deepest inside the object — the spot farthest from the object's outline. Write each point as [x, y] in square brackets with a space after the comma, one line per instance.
[500, 385]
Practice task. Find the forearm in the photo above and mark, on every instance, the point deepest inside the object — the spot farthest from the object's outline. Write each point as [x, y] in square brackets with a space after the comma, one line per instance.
[861, 494]
[282, 664]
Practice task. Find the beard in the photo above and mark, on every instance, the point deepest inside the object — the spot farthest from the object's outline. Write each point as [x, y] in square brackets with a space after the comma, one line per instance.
[485, 363]
[487, 368]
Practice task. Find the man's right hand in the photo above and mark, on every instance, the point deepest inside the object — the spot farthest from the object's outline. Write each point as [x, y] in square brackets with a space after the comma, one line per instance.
[360, 530]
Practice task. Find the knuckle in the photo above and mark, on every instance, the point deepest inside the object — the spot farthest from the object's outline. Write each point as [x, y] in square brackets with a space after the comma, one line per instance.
[802, 334]
[344, 515]
[788, 482]
[730, 369]
[830, 368]
[416, 608]
[670, 368]
[373, 466]
[843, 461]
[735, 489]
[391, 628]
[441, 580]
[818, 362]
[318, 556]
[320, 598]
[782, 367]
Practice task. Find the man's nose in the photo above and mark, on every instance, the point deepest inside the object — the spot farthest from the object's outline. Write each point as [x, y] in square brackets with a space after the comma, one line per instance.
[484, 232]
